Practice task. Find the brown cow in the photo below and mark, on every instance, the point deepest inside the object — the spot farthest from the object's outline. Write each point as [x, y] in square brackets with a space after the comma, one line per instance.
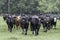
[17, 21]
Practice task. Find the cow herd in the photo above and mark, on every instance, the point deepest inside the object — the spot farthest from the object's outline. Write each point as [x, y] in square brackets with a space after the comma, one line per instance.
[32, 21]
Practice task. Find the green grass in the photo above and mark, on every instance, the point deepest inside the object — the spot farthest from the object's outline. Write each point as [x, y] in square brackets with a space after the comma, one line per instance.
[16, 34]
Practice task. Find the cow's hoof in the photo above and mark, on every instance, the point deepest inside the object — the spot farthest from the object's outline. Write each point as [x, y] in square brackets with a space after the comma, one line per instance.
[49, 29]
[32, 32]
[25, 33]
[10, 31]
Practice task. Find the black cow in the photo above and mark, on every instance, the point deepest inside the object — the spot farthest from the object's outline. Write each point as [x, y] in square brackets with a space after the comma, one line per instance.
[45, 20]
[9, 22]
[35, 24]
[48, 22]
[24, 23]
[53, 21]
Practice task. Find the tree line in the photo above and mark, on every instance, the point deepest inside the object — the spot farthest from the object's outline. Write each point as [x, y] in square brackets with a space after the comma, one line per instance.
[29, 6]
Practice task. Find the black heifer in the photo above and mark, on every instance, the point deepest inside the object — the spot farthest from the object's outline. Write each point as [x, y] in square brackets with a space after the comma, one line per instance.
[45, 20]
[24, 23]
[35, 24]
[9, 22]
[53, 21]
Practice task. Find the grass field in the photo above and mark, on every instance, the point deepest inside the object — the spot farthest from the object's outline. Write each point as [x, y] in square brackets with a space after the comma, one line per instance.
[16, 34]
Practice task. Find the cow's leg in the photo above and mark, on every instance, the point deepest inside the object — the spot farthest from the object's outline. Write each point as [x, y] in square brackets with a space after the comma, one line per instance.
[11, 26]
[36, 29]
[44, 27]
[45, 30]
[14, 26]
[8, 27]
[25, 31]
[31, 25]
[33, 32]
[36, 32]
[17, 27]
[27, 27]
[32, 28]
[54, 25]
[48, 26]
[51, 24]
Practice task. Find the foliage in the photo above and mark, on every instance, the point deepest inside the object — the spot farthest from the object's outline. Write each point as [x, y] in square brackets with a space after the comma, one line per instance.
[30, 6]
